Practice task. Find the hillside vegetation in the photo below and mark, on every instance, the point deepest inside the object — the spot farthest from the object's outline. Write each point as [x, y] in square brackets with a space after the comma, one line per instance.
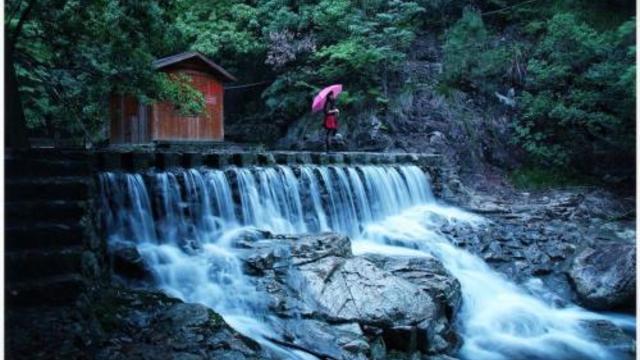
[559, 74]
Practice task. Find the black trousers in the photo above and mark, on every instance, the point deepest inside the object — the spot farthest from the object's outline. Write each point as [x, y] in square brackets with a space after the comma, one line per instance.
[327, 142]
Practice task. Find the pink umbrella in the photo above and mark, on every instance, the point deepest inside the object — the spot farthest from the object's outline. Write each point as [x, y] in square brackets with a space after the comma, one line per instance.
[321, 98]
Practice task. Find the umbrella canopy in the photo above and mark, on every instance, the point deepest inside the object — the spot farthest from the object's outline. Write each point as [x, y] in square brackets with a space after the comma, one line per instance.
[321, 98]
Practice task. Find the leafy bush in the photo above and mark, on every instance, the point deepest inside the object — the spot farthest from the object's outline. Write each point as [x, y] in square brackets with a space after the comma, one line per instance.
[578, 104]
[536, 178]
[178, 90]
[472, 60]
[575, 84]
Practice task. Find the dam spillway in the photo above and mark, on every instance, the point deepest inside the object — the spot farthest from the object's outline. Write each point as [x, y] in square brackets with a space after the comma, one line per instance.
[194, 216]
[186, 224]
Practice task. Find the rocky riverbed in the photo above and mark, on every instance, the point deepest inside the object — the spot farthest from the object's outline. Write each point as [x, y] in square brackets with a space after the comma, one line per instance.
[580, 242]
[564, 246]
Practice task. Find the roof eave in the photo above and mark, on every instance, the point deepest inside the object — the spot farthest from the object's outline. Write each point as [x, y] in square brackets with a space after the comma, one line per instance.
[174, 59]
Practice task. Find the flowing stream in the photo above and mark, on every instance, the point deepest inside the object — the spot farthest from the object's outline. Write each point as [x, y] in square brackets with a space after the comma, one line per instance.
[182, 223]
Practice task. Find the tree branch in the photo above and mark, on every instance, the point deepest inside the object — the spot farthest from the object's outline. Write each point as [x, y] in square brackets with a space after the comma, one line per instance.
[13, 39]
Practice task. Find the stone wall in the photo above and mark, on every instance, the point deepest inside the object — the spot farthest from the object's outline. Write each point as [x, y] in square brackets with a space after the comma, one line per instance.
[53, 248]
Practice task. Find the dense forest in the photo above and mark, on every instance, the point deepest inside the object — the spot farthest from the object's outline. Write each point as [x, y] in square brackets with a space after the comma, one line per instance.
[563, 70]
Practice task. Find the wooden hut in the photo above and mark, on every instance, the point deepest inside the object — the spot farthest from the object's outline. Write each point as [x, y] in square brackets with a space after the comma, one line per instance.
[136, 123]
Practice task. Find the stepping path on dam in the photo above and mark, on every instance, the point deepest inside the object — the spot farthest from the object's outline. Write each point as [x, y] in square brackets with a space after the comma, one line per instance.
[141, 160]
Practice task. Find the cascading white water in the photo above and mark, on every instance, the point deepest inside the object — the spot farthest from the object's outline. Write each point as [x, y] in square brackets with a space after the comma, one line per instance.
[498, 319]
[183, 227]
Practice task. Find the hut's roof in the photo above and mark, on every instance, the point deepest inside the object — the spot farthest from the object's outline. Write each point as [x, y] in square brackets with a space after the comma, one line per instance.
[193, 55]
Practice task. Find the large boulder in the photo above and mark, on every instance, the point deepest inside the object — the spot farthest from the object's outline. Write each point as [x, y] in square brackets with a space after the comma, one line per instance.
[427, 273]
[604, 276]
[430, 276]
[343, 288]
[408, 302]
[129, 263]
[356, 290]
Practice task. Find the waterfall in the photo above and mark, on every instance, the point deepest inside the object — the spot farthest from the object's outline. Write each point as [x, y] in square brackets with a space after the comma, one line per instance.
[183, 226]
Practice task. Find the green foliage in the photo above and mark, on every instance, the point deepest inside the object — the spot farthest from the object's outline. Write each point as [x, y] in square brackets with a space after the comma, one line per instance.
[537, 178]
[359, 44]
[571, 63]
[471, 61]
[578, 101]
[574, 82]
[301, 46]
[178, 90]
[228, 30]
[70, 55]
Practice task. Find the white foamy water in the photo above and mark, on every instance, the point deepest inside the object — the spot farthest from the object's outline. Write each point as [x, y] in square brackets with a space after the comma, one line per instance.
[498, 319]
[183, 224]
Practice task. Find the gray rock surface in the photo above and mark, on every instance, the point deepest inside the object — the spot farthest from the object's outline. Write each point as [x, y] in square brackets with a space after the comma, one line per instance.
[356, 290]
[432, 278]
[427, 273]
[612, 337]
[128, 262]
[604, 276]
[338, 341]
[150, 325]
[316, 277]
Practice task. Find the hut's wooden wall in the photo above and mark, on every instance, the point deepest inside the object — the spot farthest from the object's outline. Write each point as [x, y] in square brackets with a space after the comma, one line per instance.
[130, 121]
[169, 125]
[134, 123]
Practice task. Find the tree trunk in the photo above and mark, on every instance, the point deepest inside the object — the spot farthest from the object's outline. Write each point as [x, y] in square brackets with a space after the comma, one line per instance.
[16, 127]
[15, 122]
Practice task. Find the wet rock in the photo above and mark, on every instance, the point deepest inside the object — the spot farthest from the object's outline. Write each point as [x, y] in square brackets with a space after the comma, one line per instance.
[247, 237]
[356, 290]
[538, 260]
[264, 256]
[340, 341]
[128, 262]
[314, 247]
[604, 276]
[559, 250]
[439, 336]
[427, 273]
[435, 335]
[150, 325]
[493, 252]
[612, 337]
[282, 251]
[184, 315]
[317, 278]
[486, 208]
[600, 204]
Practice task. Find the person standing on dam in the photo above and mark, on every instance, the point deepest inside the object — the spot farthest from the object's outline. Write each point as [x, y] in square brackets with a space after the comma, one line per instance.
[330, 120]
[326, 100]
